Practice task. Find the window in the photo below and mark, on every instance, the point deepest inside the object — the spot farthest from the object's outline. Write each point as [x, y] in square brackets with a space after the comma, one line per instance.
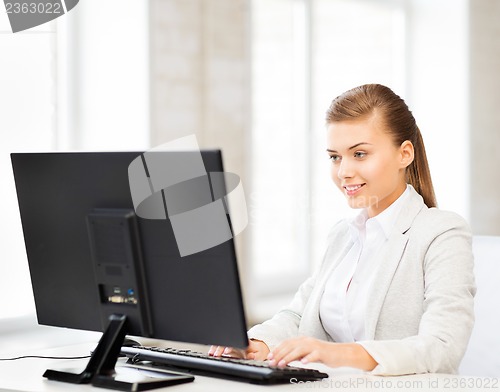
[355, 42]
[303, 53]
[279, 203]
[79, 82]
[27, 123]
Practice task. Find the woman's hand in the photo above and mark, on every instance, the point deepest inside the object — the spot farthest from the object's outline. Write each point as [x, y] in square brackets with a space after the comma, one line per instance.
[306, 349]
[256, 349]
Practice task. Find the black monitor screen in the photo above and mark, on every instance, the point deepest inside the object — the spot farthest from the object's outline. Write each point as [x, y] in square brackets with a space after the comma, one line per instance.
[90, 255]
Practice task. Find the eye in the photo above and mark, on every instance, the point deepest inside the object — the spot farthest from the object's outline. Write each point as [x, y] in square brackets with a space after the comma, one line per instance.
[335, 157]
[359, 154]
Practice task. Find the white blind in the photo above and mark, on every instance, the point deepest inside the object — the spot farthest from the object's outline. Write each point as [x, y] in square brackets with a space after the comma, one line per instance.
[77, 83]
[304, 53]
[278, 205]
[27, 123]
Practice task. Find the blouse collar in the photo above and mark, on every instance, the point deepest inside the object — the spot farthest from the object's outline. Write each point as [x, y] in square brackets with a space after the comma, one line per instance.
[384, 221]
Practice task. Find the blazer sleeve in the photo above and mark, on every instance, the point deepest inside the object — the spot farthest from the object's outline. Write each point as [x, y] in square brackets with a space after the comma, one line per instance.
[448, 307]
[285, 323]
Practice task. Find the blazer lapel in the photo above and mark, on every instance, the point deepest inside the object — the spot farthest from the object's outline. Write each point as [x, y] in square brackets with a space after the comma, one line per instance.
[389, 259]
[314, 326]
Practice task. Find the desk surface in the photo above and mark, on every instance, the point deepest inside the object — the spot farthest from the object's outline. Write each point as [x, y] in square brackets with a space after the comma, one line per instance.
[26, 375]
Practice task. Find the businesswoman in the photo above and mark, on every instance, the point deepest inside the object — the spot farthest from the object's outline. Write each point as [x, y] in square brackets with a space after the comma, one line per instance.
[394, 294]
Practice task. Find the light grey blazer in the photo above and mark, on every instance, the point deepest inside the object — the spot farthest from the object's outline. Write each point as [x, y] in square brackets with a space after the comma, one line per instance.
[421, 310]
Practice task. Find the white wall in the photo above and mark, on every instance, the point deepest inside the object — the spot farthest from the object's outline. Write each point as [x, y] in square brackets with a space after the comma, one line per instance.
[200, 80]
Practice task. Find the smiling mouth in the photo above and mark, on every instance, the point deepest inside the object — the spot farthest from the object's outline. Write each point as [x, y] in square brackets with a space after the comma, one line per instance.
[352, 189]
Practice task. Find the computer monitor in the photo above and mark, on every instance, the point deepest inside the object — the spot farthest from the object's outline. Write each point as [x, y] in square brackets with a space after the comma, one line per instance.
[96, 265]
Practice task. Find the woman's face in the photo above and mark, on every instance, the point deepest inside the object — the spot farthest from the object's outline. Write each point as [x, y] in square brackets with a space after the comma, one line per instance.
[366, 165]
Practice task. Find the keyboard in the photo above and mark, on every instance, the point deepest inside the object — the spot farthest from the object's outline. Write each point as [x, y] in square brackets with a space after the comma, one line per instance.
[259, 372]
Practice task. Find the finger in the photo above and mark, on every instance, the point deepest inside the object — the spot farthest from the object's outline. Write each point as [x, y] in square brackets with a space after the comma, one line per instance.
[277, 351]
[277, 355]
[311, 357]
[283, 348]
[287, 352]
[259, 355]
[234, 353]
[217, 352]
[230, 352]
[212, 350]
[295, 354]
[257, 350]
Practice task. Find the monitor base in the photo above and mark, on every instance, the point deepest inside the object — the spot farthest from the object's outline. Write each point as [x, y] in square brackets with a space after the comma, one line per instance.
[101, 372]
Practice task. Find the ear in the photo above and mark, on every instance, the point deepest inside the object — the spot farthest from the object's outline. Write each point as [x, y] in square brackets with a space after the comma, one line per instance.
[407, 153]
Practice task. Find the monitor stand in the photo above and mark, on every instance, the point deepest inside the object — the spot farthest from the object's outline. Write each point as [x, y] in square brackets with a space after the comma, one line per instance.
[101, 372]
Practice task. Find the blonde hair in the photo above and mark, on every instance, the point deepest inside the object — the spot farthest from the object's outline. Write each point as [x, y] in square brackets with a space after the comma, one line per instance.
[399, 123]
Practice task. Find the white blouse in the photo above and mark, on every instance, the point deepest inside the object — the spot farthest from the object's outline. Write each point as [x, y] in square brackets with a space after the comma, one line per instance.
[343, 304]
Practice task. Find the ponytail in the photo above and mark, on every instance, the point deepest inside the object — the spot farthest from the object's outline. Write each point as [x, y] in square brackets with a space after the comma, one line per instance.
[418, 173]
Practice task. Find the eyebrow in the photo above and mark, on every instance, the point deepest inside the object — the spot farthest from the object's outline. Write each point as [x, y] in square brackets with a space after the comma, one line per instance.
[350, 148]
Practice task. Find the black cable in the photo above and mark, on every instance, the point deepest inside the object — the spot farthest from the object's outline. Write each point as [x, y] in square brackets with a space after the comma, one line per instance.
[41, 357]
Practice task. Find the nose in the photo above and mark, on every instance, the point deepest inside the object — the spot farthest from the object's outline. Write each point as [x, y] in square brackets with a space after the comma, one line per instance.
[344, 169]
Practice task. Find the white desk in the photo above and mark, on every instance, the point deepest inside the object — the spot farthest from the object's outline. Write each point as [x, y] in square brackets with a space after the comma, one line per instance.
[26, 375]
